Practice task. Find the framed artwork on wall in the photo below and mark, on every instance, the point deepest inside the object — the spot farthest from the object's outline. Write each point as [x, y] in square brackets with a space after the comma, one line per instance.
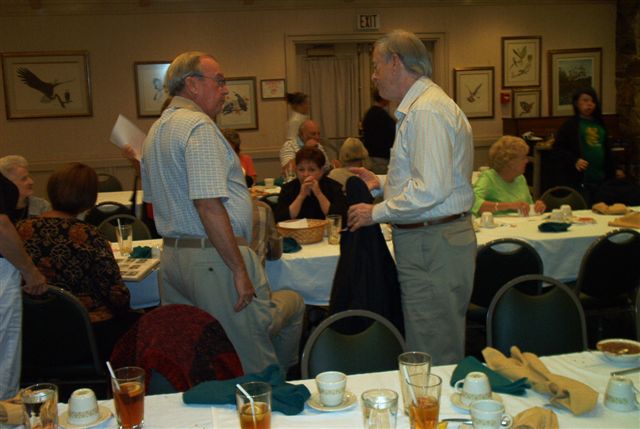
[150, 95]
[526, 103]
[569, 70]
[473, 91]
[272, 89]
[47, 84]
[521, 61]
[240, 110]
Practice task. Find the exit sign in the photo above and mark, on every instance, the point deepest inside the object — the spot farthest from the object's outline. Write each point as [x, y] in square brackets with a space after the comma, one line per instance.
[368, 22]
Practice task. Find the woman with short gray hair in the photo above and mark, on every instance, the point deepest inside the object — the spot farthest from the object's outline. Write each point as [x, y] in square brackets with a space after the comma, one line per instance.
[16, 169]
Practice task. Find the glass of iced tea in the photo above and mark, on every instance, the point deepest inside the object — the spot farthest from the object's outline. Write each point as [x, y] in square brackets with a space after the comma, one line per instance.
[424, 409]
[128, 396]
[254, 411]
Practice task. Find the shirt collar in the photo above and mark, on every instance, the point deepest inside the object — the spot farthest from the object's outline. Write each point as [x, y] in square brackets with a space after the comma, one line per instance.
[180, 102]
[418, 87]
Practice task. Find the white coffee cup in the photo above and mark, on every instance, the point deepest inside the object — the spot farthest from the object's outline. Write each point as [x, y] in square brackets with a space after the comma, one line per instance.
[489, 414]
[556, 215]
[486, 219]
[620, 395]
[331, 386]
[566, 211]
[476, 387]
[83, 407]
[268, 182]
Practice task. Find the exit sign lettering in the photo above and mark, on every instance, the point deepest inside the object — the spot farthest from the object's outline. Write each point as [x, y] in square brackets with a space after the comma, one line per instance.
[368, 22]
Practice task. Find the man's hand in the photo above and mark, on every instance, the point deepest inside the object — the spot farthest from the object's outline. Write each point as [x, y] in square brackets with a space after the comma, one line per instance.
[581, 164]
[359, 215]
[367, 176]
[34, 282]
[246, 291]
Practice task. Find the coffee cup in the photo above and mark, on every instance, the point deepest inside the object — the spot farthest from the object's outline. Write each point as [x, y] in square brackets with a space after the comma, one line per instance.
[620, 395]
[83, 407]
[268, 182]
[486, 219]
[474, 387]
[331, 386]
[489, 414]
[566, 211]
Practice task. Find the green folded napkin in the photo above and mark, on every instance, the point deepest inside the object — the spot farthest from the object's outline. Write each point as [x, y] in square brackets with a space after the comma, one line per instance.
[141, 252]
[499, 383]
[287, 398]
[290, 245]
[553, 226]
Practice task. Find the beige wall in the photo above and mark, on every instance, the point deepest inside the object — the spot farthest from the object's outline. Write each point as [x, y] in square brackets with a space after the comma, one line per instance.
[253, 44]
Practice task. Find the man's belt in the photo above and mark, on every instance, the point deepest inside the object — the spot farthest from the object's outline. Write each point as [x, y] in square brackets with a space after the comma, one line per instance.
[195, 242]
[431, 222]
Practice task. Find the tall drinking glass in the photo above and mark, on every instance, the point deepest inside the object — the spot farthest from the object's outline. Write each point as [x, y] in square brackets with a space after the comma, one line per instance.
[409, 364]
[254, 411]
[128, 396]
[40, 406]
[425, 401]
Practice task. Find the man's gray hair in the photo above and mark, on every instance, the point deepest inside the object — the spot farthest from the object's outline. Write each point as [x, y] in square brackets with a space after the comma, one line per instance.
[409, 49]
[184, 65]
[11, 162]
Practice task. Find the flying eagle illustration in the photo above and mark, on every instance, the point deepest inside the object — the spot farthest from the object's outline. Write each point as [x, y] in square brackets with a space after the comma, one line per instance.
[473, 95]
[526, 107]
[47, 89]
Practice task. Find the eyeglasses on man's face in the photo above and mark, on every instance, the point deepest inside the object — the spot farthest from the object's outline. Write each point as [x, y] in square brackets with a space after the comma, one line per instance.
[220, 80]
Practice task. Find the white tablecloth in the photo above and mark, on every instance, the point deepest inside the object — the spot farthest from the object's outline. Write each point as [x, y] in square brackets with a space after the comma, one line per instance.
[168, 411]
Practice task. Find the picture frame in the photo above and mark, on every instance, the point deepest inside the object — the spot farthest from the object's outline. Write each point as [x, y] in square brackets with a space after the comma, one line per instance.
[150, 94]
[526, 103]
[473, 89]
[273, 89]
[240, 109]
[47, 84]
[521, 61]
[569, 70]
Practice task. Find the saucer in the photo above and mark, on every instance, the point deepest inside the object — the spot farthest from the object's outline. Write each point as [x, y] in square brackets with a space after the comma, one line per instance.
[105, 414]
[456, 400]
[347, 402]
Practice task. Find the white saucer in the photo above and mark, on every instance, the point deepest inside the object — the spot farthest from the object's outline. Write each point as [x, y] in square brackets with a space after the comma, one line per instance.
[105, 414]
[347, 402]
[457, 401]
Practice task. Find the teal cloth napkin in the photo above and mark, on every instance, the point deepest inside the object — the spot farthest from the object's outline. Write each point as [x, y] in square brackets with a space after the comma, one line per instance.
[141, 252]
[553, 226]
[290, 245]
[287, 398]
[499, 383]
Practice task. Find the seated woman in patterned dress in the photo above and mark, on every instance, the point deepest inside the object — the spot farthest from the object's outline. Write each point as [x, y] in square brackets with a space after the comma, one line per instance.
[74, 255]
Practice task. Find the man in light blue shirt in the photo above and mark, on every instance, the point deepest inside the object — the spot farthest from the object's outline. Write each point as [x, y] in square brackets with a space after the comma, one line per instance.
[427, 198]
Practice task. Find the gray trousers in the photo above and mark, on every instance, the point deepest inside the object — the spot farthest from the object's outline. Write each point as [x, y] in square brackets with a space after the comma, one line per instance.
[10, 329]
[267, 331]
[435, 268]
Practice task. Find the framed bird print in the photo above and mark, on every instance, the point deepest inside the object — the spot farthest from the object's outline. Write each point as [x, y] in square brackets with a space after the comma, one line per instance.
[240, 109]
[521, 63]
[473, 90]
[526, 103]
[46, 84]
[150, 95]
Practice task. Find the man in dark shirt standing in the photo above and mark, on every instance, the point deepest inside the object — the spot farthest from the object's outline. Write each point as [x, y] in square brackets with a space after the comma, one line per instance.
[379, 131]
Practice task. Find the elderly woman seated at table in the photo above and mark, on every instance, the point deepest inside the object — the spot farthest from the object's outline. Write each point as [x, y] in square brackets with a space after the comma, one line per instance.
[312, 195]
[74, 255]
[352, 154]
[503, 188]
[16, 169]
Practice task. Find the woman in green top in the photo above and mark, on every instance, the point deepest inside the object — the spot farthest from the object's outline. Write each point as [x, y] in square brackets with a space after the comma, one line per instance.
[503, 188]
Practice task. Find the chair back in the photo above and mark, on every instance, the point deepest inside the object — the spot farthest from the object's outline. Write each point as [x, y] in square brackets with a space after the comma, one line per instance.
[555, 197]
[546, 324]
[108, 183]
[500, 261]
[376, 348]
[101, 211]
[637, 313]
[611, 265]
[108, 227]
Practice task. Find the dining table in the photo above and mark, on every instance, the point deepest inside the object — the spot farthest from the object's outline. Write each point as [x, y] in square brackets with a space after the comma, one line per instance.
[167, 411]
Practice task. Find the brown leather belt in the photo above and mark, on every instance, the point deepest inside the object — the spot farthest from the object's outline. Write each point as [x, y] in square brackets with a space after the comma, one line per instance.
[195, 242]
[431, 222]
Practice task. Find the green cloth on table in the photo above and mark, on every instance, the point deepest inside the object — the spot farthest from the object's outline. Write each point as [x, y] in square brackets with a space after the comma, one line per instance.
[553, 226]
[141, 252]
[290, 245]
[499, 383]
[287, 398]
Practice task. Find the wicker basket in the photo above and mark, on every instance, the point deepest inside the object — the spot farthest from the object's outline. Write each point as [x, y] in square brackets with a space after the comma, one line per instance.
[312, 234]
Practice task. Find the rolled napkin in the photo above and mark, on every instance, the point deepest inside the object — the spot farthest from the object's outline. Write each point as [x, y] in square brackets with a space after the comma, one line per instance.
[553, 226]
[10, 413]
[498, 382]
[631, 220]
[536, 418]
[290, 245]
[566, 392]
[287, 398]
[141, 252]
[613, 209]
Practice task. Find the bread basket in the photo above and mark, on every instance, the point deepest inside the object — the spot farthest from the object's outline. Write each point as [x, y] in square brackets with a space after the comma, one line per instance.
[313, 233]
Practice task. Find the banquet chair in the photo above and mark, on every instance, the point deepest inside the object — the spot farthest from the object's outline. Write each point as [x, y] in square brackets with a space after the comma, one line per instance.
[140, 230]
[178, 346]
[101, 211]
[108, 183]
[555, 197]
[607, 280]
[550, 323]
[58, 344]
[376, 348]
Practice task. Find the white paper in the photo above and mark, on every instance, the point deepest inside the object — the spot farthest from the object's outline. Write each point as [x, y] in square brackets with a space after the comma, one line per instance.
[124, 133]
[294, 224]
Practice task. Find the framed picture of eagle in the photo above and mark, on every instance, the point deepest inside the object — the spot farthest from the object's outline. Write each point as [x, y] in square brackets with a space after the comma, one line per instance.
[240, 109]
[473, 91]
[46, 84]
[526, 103]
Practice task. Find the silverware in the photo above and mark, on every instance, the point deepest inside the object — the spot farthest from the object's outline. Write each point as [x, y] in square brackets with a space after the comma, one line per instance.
[458, 420]
[626, 371]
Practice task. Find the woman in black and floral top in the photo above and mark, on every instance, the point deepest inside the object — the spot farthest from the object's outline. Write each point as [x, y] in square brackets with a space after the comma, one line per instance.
[75, 256]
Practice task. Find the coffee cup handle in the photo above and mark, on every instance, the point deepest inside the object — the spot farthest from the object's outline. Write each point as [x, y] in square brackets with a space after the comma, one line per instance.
[458, 386]
[506, 421]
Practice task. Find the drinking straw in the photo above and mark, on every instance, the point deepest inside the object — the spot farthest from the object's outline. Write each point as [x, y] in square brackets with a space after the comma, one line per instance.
[407, 380]
[113, 375]
[253, 406]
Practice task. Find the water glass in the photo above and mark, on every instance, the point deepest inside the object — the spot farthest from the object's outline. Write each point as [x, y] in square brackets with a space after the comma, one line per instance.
[380, 409]
[254, 411]
[425, 401]
[412, 364]
[335, 226]
[40, 406]
[124, 234]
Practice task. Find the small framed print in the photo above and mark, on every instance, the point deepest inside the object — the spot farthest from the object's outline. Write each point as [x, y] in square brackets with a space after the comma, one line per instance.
[521, 63]
[150, 94]
[473, 91]
[272, 89]
[240, 109]
[570, 70]
[526, 103]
